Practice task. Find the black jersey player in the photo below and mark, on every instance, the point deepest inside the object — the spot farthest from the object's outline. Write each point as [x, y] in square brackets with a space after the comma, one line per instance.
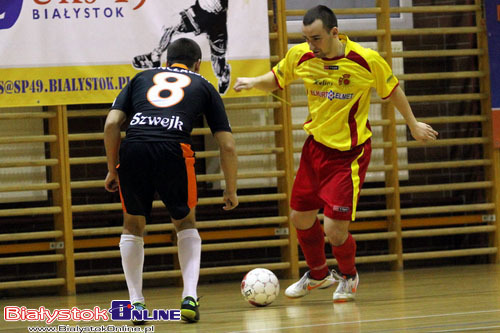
[156, 156]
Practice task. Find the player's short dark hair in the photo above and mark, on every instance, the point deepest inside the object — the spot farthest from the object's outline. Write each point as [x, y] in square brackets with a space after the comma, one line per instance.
[184, 51]
[323, 13]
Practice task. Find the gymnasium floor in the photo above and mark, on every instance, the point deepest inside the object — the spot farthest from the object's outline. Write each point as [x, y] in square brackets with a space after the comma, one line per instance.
[446, 299]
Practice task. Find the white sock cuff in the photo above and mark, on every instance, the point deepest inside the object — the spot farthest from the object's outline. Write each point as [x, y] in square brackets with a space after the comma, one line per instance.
[132, 238]
[188, 233]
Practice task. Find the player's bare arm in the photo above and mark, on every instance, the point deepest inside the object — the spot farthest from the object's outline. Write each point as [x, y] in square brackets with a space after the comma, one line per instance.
[420, 131]
[112, 138]
[229, 166]
[265, 82]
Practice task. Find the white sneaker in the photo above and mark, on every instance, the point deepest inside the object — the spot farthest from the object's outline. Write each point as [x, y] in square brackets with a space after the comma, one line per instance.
[306, 284]
[346, 290]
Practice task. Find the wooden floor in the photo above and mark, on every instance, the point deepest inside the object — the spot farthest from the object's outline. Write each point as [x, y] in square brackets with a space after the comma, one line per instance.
[447, 299]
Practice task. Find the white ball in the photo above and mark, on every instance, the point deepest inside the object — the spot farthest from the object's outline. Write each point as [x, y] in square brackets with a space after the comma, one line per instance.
[260, 287]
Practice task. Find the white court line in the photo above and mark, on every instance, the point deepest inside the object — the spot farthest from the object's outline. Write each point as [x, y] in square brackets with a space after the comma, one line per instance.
[466, 329]
[370, 321]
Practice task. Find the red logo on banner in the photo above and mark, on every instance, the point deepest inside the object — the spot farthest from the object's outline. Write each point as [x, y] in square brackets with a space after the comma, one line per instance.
[45, 2]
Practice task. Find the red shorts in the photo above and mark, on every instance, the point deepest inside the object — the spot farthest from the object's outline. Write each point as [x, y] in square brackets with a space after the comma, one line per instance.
[331, 179]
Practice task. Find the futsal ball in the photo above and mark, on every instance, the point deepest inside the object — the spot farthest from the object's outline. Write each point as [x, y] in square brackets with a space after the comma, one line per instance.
[260, 287]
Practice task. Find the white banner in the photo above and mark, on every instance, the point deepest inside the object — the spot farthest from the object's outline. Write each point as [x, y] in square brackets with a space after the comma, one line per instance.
[82, 51]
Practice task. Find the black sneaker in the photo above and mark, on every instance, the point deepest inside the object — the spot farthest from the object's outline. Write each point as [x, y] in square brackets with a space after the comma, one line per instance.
[139, 306]
[189, 310]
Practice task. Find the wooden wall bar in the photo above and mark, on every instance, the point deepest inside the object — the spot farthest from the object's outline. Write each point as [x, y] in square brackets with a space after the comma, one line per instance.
[394, 223]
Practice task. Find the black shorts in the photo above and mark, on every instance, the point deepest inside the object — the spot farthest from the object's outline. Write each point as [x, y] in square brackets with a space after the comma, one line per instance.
[163, 167]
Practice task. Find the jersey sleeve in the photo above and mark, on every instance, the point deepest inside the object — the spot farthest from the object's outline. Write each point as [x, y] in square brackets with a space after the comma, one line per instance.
[284, 71]
[385, 81]
[215, 113]
[123, 101]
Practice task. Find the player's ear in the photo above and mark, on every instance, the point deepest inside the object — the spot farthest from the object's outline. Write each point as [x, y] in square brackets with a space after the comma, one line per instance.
[197, 66]
[334, 31]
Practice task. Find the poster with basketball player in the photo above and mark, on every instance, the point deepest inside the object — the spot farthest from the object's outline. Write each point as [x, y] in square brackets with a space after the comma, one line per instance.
[58, 52]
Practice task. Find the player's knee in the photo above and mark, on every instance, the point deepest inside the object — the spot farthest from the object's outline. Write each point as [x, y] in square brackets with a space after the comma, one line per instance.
[294, 219]
[133, 224]
[184, 224]
[228, 146]
[187, 222]
[337, 232]
[301, 220]
[336, 239]
[133, 229]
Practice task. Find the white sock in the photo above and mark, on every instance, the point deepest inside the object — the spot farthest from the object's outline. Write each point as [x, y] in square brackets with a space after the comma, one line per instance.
[189, 252]
[132, 251]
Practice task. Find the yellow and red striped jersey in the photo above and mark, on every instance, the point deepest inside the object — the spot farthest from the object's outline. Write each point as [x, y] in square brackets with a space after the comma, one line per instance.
[338, 90]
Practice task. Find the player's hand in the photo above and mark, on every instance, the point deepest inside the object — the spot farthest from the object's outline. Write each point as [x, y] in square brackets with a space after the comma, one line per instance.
[423, 132]
[244, 83]
[111, 182]
[230, 201]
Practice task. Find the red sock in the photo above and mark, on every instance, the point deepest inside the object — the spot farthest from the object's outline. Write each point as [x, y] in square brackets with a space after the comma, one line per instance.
[345, 255]
[312, 243]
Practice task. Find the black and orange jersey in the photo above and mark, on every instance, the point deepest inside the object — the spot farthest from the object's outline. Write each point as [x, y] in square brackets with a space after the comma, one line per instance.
[163, 103]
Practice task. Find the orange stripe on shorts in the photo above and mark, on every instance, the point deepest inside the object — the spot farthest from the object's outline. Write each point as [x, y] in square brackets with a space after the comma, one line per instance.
[188, 155]
[121, 199]
[121, 196]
